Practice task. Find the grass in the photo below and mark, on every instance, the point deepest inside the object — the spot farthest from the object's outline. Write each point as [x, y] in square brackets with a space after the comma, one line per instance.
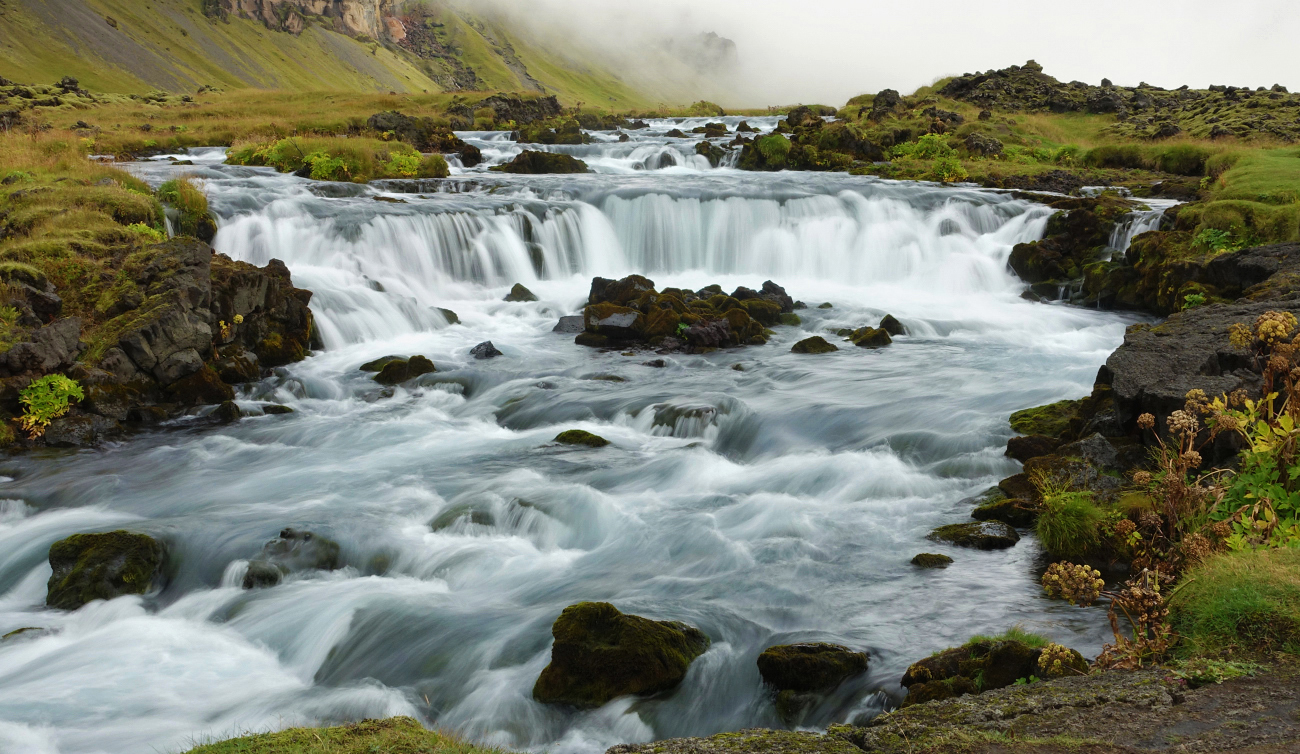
[1240, 603]
[1015, 633]
[356, 159]
[1067, 525]
[396, 735]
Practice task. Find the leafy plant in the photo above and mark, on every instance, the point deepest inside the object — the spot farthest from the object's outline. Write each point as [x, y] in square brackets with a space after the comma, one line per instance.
[948, 169]
[1193, 300]
[325, 167]
[1202, 671]
[45, 400]
[928, 147]
[1215, 240]
[146, 233]
[403, 165]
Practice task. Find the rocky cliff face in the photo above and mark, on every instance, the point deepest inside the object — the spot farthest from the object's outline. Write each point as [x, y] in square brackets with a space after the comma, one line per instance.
[370, 18]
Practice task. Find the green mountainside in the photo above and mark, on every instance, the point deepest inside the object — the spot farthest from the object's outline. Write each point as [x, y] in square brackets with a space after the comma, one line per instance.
[138, 46]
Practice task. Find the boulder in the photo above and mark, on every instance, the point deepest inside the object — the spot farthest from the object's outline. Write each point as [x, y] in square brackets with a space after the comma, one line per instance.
[892, 326]
[870, 337]
[291, 552]
[809, 667]
[397, 371]
[1024, 448]
[1012, 512]
[619, 292]
[535, 163]
[600, 654]
[103, 566]
[569, 325]
[520, 294]
[979, 665]
[986, 535]
[614, 321]
[815, 344]
[931, 560]
[982, 145]
[378, 364]
[485, 350]
[581, 437]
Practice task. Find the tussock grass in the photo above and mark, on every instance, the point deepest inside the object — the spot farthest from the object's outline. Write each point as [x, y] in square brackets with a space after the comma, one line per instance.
[1245, 602]
[397, 735]
[1015, 633]
[357, 159]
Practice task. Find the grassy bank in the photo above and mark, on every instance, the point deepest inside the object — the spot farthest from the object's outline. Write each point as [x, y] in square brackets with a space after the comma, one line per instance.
[1241, 603]
[340, 159]
[397, 735]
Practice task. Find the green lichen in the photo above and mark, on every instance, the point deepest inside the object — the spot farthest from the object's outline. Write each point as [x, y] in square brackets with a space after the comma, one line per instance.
[1052, 420]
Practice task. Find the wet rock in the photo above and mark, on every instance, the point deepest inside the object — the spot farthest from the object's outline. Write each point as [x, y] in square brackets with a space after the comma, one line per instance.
[293, 551]
[237, 365]
[809, 667]
[892, 326]
[78, 430]
[103, 566]
[931, 560]
[975, 667]
[986, 535]
[592, 340]
[614, 321]
[622, 292]
[1024, 448]
[450, 316]
[815, 344]
[378, 364]
[535, 163]
[573, 324]
[1018, 513]
[227, 413]
[485, 350]
[581, 437]
[1019, 486]
[600, 654]
[520, 294]
[397, 371]
[655, 363]
[276, 410]
[1094, 450]
[870, 337]
[713, 333]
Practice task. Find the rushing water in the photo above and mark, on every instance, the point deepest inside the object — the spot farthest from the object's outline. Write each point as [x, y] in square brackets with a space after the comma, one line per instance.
[774, 504]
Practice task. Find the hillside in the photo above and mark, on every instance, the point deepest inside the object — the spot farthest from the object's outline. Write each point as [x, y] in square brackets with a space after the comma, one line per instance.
[350, 45]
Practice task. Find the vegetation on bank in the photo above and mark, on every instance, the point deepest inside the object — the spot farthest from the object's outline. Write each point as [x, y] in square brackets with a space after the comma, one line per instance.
[337, 159]
[396, 735]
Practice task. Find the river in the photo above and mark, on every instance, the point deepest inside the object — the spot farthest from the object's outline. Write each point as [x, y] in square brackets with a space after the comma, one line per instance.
[763, 496]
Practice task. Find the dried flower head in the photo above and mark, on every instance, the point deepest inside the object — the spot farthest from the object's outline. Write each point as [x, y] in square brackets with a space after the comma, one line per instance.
[1183, 423]
[1142, 477]
[1221, 529]
[1278, 364]
[1056, 661]
[1150, 520]
[1238, 398]
[1197, 402]
[1196, 547]
[1193, 459]
[1274, 327]
[1076, 584]
[1146, 421]
[1240, 336]
[1224, 422]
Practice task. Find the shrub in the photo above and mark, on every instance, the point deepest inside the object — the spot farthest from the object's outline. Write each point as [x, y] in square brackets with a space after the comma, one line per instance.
[146, 233]
[1193, 300]
[928, 147]
[1068, 523]
[1243, 600]
[434, 166]
[1214, 239]
[45, 400]
[948, 169]
[1015, 633]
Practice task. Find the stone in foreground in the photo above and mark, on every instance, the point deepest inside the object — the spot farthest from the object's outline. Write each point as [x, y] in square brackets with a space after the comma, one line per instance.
[601, 654]
[102, 566]
[815, 344]
[581, 437]
[986, 535]
[931, 560]
[809, 667]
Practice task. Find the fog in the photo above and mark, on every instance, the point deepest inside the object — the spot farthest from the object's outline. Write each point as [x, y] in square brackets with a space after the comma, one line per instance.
[829, 50]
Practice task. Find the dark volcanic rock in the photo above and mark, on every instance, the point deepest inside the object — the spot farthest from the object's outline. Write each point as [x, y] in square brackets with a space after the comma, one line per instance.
[520, 294]
[569, 325]
[600, 654]
[987, 535]
[809, 667]
[102, 566]
[533, 163]
[485, 350]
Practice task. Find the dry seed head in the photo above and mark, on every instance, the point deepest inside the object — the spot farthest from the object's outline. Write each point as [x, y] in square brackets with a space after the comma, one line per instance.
[1182, 423]
[1142, 477]
[1193, 459]
[1146, 421]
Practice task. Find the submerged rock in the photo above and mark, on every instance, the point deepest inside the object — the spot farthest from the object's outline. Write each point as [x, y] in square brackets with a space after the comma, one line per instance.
[815, 344]
[931, 560]
[520, 294]
[870, 337]
[809, 667]
[485, 350]
[986, 535]
[397, 371]
[293, 551]
[103, 566]
[581, 437]
[601, 654]
[535, 163]
[573, 324]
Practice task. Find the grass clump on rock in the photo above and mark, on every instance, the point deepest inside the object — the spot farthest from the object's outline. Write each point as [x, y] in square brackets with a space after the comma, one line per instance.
[191, 205]
[1068, 523]
[601, 654]
[396, 735]
[581, 437]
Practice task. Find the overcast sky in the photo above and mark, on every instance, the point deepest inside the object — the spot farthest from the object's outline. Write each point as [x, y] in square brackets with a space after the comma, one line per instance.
[830, 50]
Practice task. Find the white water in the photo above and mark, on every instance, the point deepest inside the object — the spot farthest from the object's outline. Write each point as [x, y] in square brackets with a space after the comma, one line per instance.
[1139, 222]
[775, 504]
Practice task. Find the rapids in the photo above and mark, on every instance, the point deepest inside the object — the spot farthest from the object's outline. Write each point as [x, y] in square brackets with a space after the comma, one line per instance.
[773, 503]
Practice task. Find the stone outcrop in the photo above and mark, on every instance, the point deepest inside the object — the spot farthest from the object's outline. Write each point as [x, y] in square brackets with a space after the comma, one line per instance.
[375, 19]
[601, 654]
[976, 667]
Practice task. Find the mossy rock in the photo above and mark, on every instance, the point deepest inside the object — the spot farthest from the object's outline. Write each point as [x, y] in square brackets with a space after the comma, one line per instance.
[397, 371]
[614, 321]
[291, 552]
[601, 654]
[520, 294]
[581, 437]
[102, 566]
[1053, 420]
[815, 344]
[203, 388]
[931, 560]
[622, 292]
[870, 337]
[1018, 513]
[985, 535]
[592, 340]
[1020, 487]
[765, 312]
[277, 350]
[378, 364]
[536, 163]
[892, 326]
[790, 319]
[809, 667]
[826, 305]
[449, 315]
[970, 669]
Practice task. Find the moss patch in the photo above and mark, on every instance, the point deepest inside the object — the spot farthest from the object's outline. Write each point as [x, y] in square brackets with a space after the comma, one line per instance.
[396, 735]
[581, 437]
[102, 566]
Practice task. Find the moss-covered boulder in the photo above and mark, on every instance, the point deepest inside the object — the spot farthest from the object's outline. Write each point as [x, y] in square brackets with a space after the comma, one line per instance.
[981, 664]
[600, 654]
[1031, 446]
[1018, 513]
[581, 437]
[536, 163]
[1053, 420]
[397, 371]
[870, 337]
[520, 294]
[103, 566]
[765, 312]
[985, 535]
[291, 552]
[614, 321]
[378, 364]
[931, 560]
[891, 325]
[809, 667]
[622, 292]
[815, 344]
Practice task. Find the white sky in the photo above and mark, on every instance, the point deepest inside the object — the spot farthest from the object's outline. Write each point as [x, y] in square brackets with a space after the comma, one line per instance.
[829, 50]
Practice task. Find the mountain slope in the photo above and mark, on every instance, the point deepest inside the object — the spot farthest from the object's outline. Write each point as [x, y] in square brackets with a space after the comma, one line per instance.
[306, 45]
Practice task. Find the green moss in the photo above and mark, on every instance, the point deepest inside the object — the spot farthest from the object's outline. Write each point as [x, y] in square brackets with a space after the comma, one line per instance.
[931, 560]
[809, 667]
[815, 344]
[581, 437]
[600, 654]
[277, 349]
[1053, 420]
[1240, 601]
[396, 735]
[102, 566]
[1015, 633]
